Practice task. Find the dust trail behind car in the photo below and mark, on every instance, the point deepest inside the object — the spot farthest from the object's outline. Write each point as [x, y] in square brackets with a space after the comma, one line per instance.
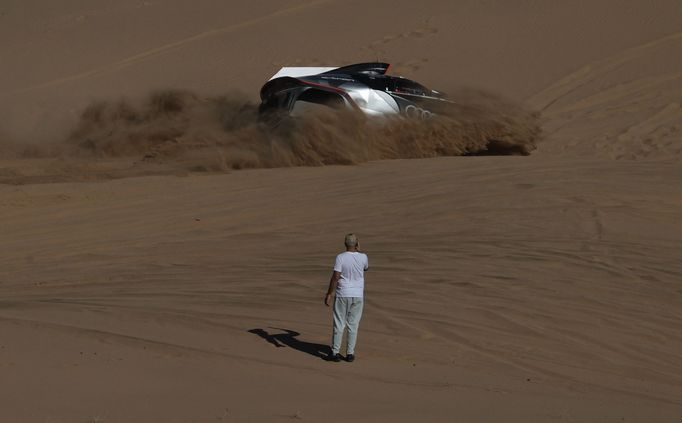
[179, 131]
[177, 124]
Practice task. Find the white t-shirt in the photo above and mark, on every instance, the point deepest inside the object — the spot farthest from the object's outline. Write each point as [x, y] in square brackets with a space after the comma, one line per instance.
[352, 266]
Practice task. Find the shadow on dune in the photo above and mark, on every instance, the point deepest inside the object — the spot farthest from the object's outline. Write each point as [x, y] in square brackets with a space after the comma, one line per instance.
[289, 339]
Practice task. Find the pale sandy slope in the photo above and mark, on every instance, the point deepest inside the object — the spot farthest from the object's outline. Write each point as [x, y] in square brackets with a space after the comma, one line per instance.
[532, 293]
[544, 288]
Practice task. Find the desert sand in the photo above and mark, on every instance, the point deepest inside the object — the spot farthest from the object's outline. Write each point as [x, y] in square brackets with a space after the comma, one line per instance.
[540, 288]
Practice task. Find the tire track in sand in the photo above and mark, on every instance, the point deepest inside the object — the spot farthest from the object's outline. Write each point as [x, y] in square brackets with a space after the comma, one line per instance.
[139, 57]
[587, 73]
[462, 342]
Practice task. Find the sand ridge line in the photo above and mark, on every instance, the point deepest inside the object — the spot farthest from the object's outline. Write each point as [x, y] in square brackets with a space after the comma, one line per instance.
[139, 57]
[587, 73]
[165, 347]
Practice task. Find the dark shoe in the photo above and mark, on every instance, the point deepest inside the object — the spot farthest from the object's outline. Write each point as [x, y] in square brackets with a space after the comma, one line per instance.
[334, 357]
[350, 358]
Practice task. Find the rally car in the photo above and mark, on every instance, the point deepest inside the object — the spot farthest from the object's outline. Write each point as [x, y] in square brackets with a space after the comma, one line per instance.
[364, 87]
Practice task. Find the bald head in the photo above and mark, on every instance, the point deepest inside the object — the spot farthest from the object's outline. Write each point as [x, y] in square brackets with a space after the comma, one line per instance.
[351, 241]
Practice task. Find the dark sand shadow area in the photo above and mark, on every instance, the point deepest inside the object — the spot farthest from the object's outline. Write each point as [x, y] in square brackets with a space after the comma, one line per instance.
[289, 339]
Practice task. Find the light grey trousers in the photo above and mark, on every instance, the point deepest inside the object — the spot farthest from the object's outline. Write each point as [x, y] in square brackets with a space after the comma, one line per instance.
[347, 312]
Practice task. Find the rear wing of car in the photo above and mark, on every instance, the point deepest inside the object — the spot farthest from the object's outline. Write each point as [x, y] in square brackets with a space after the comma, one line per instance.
[297, 72]
[366, 68]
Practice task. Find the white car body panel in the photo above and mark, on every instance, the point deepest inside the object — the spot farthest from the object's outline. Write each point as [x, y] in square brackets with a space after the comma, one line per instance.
[296, 72]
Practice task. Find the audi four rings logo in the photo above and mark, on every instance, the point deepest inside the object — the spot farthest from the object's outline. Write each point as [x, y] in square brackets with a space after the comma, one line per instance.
[417, 112]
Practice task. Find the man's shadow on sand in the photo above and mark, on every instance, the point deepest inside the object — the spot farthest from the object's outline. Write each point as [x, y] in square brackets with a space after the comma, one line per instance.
[288, 339]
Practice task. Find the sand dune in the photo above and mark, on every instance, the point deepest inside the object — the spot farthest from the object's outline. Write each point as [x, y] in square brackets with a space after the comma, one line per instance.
[554, 293]
[164, 285]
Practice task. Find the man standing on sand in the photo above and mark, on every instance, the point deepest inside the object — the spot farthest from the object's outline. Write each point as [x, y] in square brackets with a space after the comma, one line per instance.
[348, 283]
